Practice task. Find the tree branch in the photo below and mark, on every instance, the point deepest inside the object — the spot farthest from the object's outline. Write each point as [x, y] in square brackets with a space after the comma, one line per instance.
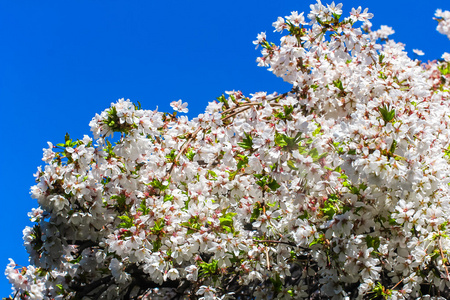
[82, 291]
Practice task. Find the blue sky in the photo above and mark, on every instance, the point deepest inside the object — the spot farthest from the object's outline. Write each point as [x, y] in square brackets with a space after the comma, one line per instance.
[61, 62]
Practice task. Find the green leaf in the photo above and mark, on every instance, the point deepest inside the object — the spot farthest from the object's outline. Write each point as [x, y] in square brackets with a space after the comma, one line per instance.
[305, 215]
[317, 131]
[277, 283]
[168, 198]
[445, 69]
[285, 114]
[242, 161]
[266, 180]
[60, 289]
[302, 150]
[373, 242]
[226, 222]
[232, 175]
[256, 213]
[288, 109]
[120, 199]
[67, 139]
[393, 147]
[192, 223]
[447, 153]
[156, 245]
[143, 207]
[109, 150]
[190, 155]
[273, 185]
[338, 83]
[127, 222]
[262, 180]
[331, 206]
[246, 143]
[378, 290]
[137, 106]
[319, 240]
[158, 184]
[76, 260]
[158, 228]
[314, 154]
[291, 165]
[212, 173]
[286, 142]
[387, 113]
[208, 269]
[171, 156]
[322, 155]
[42, 272]
[280, 140]
[329, 210]
[223, 100]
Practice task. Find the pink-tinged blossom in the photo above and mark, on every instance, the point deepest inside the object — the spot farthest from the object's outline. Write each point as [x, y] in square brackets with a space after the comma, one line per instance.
[279, 24]
[357, 15]
[384, 32]
[296, 19]
[418, 52]
[446, 56]
[260, 39]
[179, 106]
[443, 18]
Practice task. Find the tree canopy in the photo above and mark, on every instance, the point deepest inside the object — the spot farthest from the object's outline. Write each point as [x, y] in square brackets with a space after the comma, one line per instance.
[336, 189]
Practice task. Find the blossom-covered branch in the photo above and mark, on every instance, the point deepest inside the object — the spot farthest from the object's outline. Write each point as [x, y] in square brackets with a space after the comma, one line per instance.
[337, 189]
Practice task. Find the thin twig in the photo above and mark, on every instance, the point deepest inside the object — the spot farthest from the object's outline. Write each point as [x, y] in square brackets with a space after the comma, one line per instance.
[280, 242]
[267, 258]
[188, 227]
[397, 284]
[236, 113]
[443, 259]
[183, 148]
[240, 105]
[249, 105]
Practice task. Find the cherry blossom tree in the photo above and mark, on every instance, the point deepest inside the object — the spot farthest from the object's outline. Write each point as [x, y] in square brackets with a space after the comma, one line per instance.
[336, 189]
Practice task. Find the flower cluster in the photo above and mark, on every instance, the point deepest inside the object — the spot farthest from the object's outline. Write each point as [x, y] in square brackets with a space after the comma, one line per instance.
[337, 189]
[443, 18]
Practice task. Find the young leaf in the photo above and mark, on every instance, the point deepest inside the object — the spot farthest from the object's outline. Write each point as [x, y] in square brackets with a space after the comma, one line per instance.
[387, 113]
[246, 143]
[291, 165]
